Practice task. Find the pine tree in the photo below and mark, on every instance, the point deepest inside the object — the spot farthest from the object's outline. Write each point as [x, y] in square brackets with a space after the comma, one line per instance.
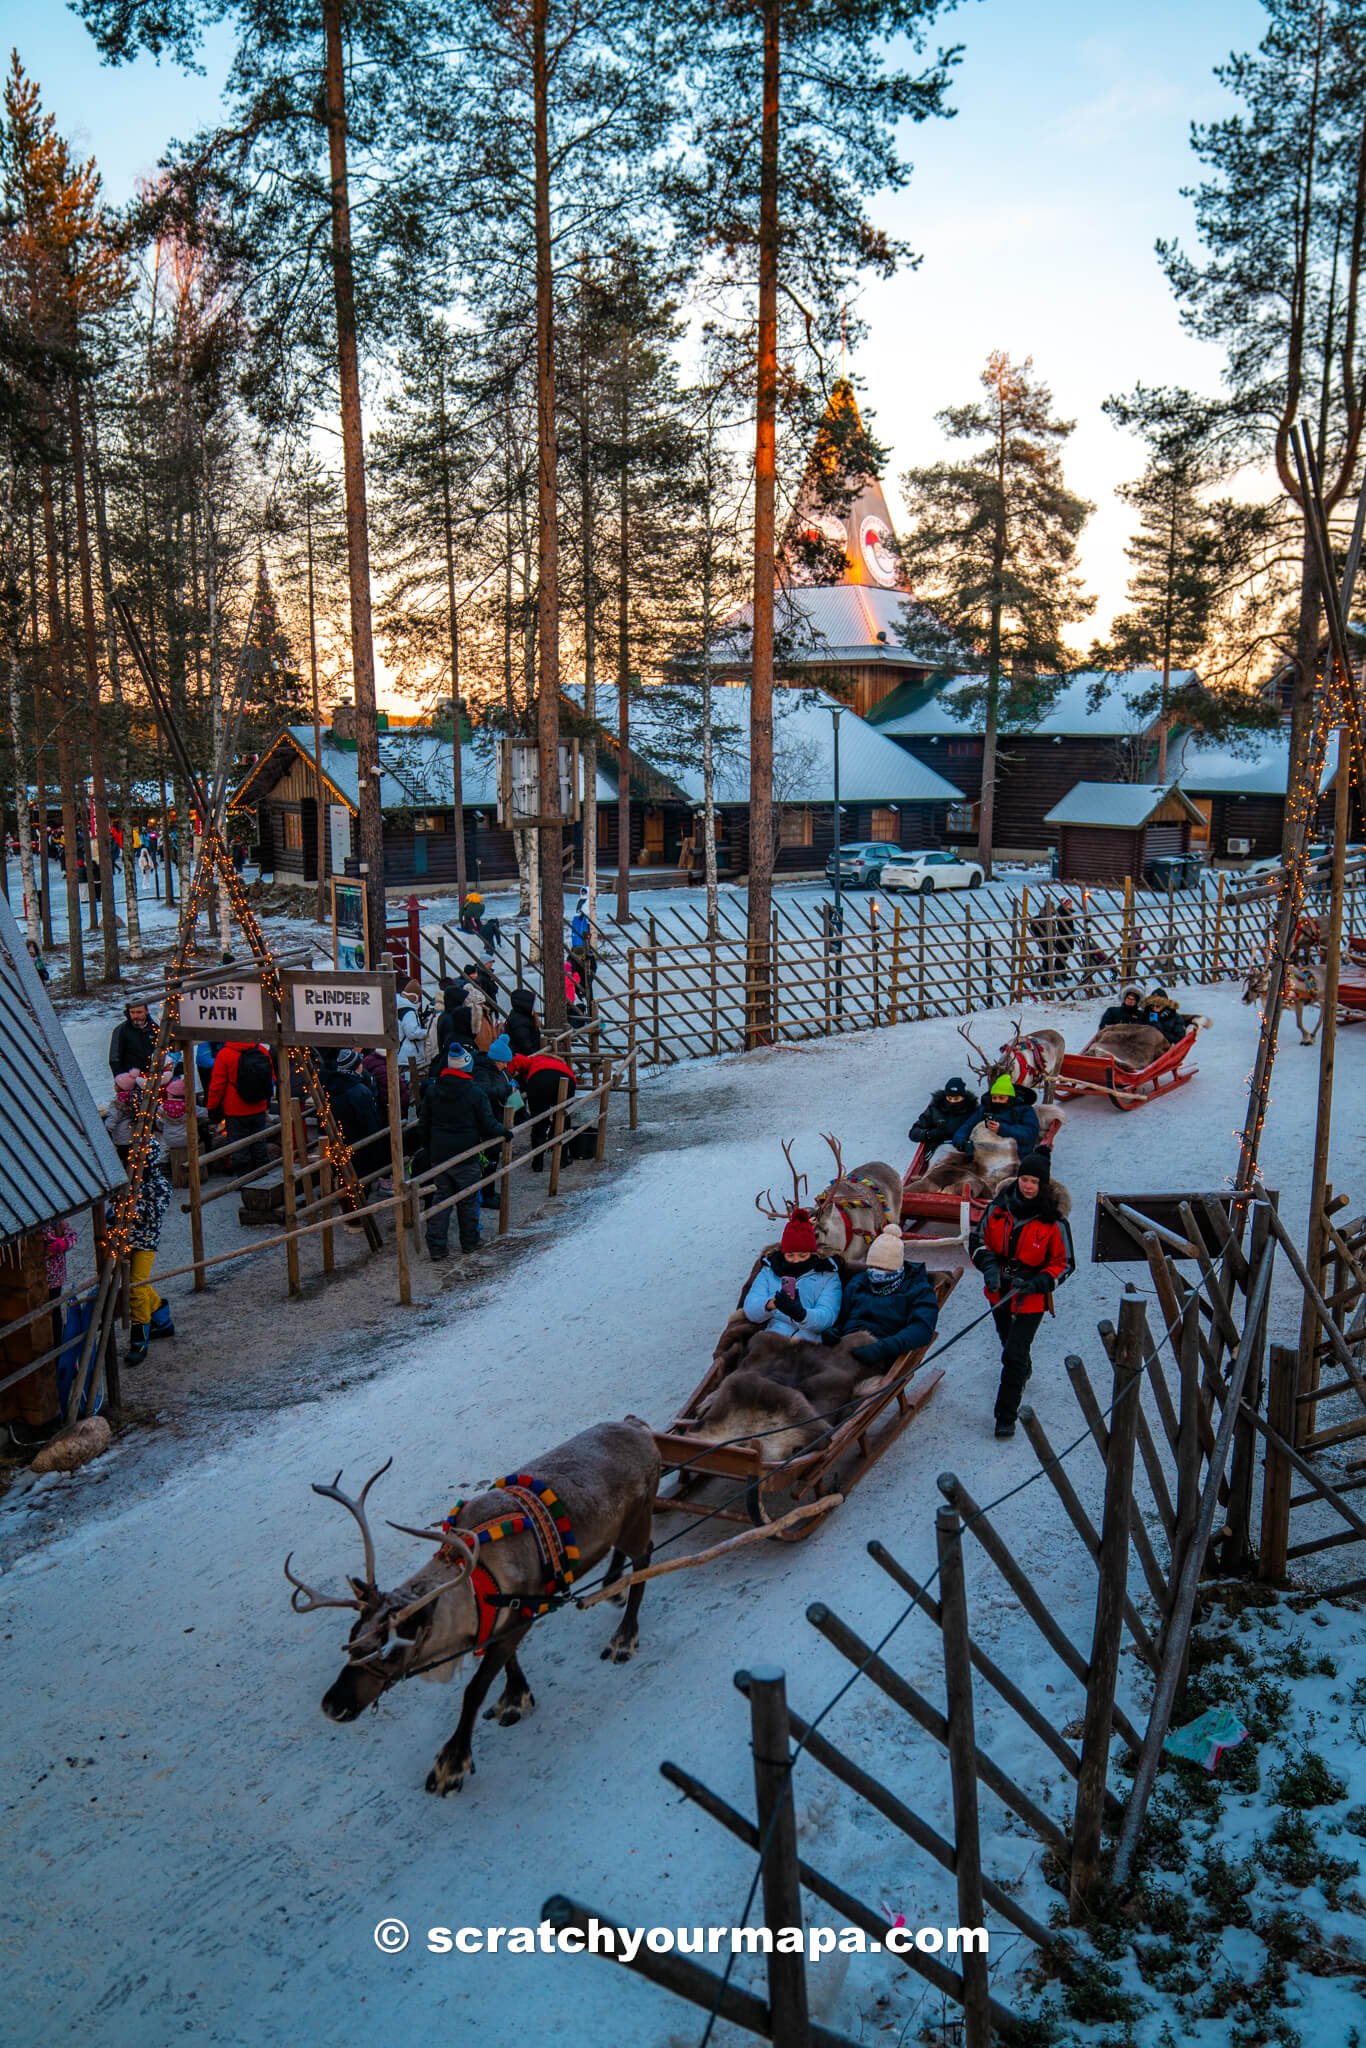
[1276, 281]
[991, 548]
[780, 203]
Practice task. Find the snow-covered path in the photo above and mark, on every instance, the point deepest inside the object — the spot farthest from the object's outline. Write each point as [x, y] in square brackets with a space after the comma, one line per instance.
[194, 1850]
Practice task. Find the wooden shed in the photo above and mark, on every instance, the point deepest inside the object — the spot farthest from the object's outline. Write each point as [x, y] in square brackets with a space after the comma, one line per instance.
[1110, 830]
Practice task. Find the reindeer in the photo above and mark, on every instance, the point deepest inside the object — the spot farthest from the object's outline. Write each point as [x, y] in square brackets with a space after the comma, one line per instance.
[1031, 1059]
[590, 1496]
[850, 1211]
[1302, 990]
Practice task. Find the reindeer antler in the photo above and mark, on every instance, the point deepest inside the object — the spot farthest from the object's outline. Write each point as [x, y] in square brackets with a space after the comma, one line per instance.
[833, 1143]
[313, 1599]
[357, 1508]
[798, 1185]
[981, 1064]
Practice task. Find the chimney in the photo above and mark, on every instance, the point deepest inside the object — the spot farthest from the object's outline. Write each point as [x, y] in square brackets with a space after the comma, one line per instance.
[343, 718]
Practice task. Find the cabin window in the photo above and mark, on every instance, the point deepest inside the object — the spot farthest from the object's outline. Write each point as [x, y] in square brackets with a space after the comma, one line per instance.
[795, 825]
[294, 832]
[886, 824]
[963, 750]
[430, 821]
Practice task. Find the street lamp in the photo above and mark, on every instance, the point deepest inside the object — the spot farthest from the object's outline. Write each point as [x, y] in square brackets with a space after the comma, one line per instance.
[836, 713]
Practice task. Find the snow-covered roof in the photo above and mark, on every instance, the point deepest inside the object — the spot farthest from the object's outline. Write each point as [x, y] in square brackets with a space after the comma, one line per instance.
[873, 769]
[827, 623]
[1124, 708]
[1258, 767]
[55, 1154]
[1124, 805]
[415, 769]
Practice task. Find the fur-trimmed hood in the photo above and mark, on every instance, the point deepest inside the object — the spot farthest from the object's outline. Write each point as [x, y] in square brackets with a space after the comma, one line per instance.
[1062, 1198]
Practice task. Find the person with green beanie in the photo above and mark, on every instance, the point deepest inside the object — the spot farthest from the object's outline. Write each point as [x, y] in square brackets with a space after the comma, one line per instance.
[1005, 1109]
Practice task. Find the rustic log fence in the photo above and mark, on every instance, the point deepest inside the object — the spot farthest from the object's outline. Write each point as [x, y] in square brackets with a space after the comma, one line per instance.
[678, 991]
[1172, 1431]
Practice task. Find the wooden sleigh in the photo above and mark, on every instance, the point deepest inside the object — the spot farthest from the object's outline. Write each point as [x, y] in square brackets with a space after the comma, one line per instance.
[807, 1485]
[1096, 1073]
[921, 1207]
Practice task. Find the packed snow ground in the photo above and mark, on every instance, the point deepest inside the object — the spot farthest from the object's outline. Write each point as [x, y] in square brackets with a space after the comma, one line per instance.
[194, 1849]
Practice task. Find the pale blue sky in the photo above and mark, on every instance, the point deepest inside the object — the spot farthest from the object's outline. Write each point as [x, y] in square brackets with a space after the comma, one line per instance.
[1035, 210]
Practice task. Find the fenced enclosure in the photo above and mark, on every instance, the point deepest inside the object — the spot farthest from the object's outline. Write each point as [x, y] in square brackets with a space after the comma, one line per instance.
[665, 989]
[1174, 1416]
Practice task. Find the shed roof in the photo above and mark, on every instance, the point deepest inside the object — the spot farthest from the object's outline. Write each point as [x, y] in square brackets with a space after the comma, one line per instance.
[55, 1154]
[1091, 705]
[873, 769]
[1124, 806]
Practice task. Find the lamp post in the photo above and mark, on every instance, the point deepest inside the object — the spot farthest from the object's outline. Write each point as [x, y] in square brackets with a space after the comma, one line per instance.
[836, 713]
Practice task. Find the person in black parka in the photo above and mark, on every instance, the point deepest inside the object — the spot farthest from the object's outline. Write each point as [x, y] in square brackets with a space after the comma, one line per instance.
[455, 1117]
[942, 1114]
[133, 1041]
[523, 1025]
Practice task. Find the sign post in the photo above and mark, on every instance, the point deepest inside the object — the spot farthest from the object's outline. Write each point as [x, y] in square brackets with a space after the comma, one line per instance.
[354, 1009]
[219, 1011]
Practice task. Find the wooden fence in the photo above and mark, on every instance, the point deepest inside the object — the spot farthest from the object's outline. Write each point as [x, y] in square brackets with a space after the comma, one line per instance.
[673, 991]
[1174, 1424]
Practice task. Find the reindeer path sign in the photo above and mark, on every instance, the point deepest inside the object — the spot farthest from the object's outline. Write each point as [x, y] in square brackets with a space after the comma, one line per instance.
[331, 1008]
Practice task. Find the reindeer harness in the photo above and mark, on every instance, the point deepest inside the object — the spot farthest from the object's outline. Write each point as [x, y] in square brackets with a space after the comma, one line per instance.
[1026, 1061]
[876, 1201]
[540, 1512]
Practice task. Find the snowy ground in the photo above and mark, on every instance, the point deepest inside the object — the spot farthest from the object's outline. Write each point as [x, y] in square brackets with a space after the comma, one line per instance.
[194, 1849]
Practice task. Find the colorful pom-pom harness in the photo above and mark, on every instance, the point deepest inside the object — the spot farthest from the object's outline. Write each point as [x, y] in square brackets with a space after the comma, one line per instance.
[543, 1514]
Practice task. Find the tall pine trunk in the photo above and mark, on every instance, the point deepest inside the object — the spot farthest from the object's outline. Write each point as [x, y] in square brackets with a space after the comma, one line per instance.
[623, 911]
[33, 921]
[320, 801]
[588, 511]
[986, 810]
[453, 619]
[551, 829]
[101, 862]
[371, 819]
[59, 697]
[123, 738]
[1302, 702]
[765, 486]
[39, 742]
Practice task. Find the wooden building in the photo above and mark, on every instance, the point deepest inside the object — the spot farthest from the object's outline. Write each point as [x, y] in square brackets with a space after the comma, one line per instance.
[1239, 790]
[1109, 831]
[1097, 728]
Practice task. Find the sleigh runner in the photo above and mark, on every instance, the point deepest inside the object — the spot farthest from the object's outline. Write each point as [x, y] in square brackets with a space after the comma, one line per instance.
[760, 1488]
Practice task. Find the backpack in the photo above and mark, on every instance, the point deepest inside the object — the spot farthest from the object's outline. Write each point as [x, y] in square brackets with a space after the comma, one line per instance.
[255, 1075]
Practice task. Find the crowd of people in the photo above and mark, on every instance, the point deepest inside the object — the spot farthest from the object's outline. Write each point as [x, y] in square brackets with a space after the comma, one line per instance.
[460, 1067]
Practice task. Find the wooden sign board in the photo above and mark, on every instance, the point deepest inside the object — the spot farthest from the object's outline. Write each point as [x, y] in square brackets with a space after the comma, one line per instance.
[333, 1008]
[350, 938]
[1116, 1237]
[223, 1010]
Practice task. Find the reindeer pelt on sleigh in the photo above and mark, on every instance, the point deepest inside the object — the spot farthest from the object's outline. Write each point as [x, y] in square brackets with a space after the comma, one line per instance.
[994, 1161]
[782, 1391]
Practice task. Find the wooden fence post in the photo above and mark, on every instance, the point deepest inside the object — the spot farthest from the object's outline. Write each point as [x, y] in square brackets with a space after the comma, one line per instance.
[396, 1171]
[600, 1149]
[192, 1168]
[920, 956]
[829, 1010]
[1217, 963]
[895, 997]
[715, 1012]
[631, 1010]
[557, 1134]
[967, 959]
[1276, 1473]
[505, 1167]
[1128, 966]
[774, 977]
[290, 1190]
[962, 1745]
[772, 1747]
[654, 991]
[874, 940]
[1111, 1588]
[1018, 990]
[1236, 1546]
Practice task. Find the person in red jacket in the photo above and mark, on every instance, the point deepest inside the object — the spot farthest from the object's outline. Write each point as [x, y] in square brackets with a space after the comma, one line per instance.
[538, 1075]
[240, 1089]
[1023, 1249]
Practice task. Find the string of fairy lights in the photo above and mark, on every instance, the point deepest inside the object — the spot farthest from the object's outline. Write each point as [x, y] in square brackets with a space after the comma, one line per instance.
[214, 865]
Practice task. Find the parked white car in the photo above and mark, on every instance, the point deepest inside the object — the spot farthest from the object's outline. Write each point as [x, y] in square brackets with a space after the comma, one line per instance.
[927, 872]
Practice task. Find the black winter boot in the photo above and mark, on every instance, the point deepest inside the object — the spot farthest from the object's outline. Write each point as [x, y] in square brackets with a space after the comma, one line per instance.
[138, 1338]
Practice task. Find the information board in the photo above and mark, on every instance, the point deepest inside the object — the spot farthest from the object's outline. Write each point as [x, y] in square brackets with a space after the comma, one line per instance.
[333, 1008]
[350, 947]
[223, 1010]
